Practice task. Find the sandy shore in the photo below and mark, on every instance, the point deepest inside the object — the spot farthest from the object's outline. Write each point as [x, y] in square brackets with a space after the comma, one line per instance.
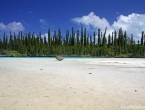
[71, 84]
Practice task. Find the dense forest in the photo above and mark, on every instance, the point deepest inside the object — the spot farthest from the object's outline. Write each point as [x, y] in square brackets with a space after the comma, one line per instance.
[74, 43]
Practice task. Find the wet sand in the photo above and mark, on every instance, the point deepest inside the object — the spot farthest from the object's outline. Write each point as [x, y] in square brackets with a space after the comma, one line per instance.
[71, 84]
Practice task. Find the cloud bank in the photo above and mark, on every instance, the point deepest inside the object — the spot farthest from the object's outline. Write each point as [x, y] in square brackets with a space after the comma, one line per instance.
[133, 23]
[13, 27]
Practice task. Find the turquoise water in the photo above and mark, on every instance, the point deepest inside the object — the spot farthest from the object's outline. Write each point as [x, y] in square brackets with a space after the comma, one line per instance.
[74, 58]
[67, 57]
[29, 62]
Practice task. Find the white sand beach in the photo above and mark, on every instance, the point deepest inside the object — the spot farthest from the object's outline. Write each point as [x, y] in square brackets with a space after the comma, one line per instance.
[71, 84]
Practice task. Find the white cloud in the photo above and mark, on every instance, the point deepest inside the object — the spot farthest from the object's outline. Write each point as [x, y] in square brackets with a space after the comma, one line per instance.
[44, 35]
[93, 21]
[133, 23]
[44, 23]
[31, 12]
[13, 27]
[25, 23]
[90, 20]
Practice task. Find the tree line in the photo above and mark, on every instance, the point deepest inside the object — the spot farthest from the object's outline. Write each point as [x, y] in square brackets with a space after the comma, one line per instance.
[75, 43]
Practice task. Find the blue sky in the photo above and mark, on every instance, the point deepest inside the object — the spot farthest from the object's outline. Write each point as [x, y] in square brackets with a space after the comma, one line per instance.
[39, 15]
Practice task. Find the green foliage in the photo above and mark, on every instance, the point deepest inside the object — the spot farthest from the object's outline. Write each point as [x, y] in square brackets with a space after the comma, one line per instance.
[13, 53]
[77, 43]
